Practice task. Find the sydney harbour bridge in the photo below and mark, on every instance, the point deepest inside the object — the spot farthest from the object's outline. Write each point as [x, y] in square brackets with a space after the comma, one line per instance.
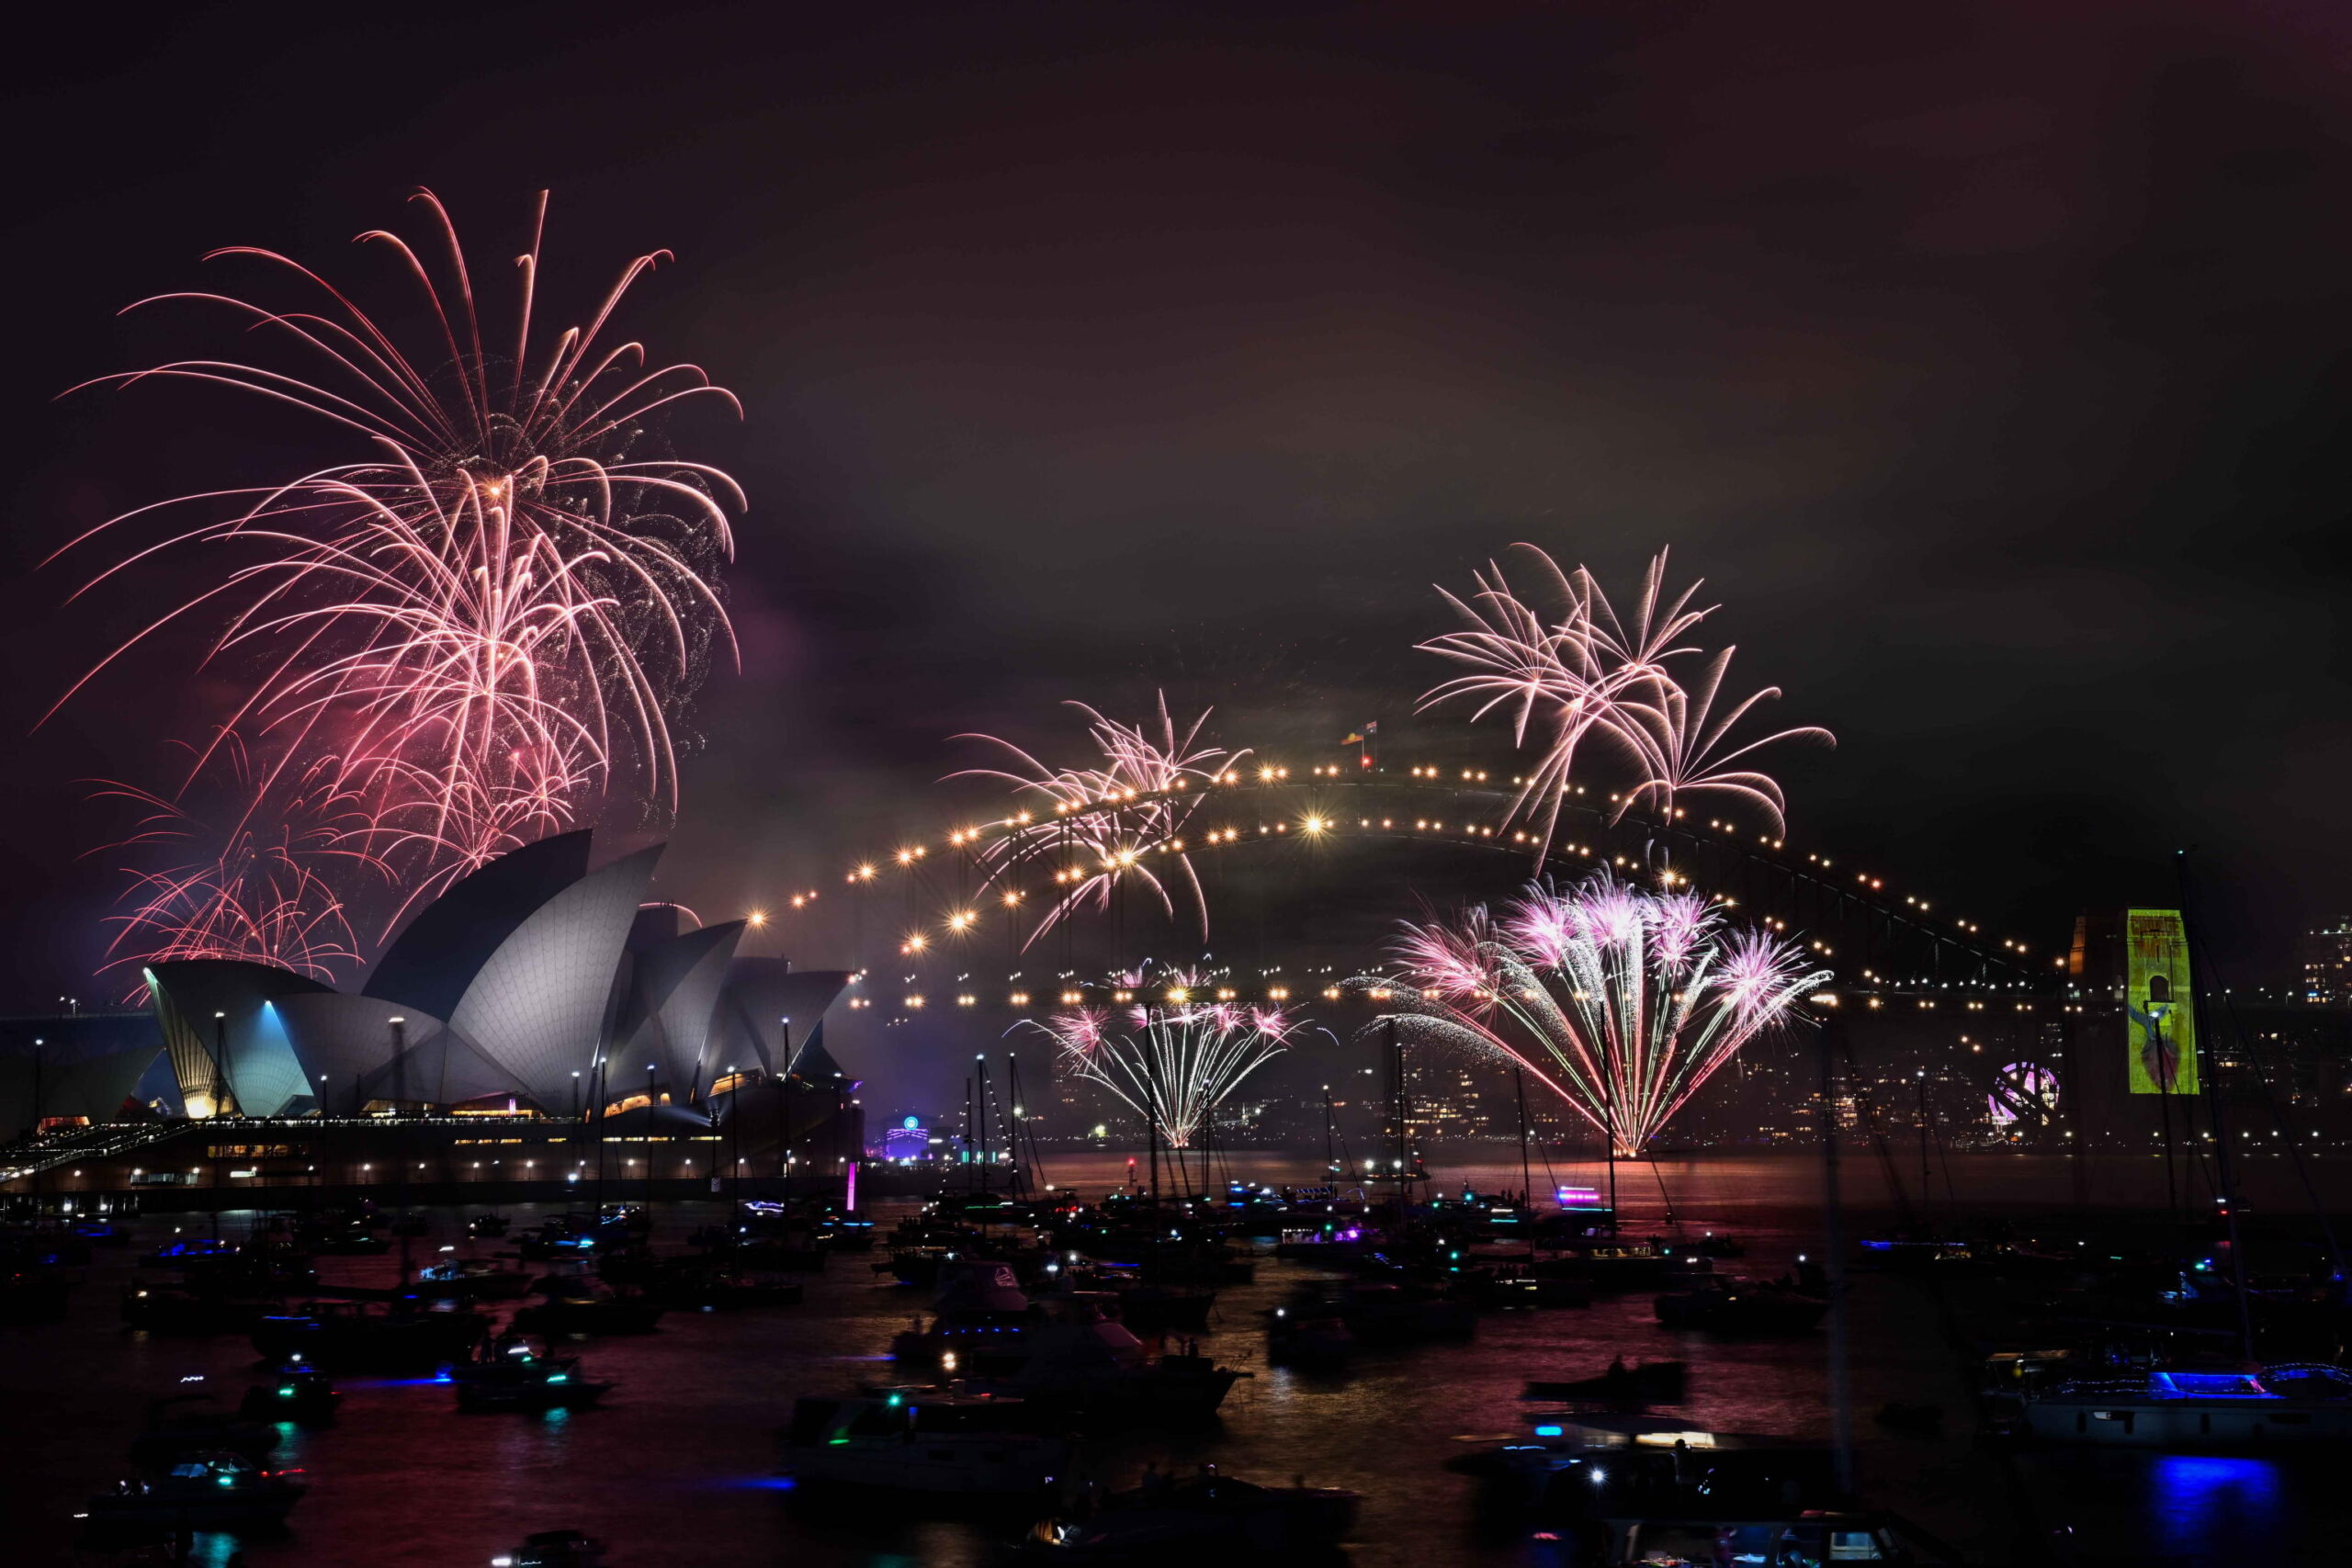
[1272, 883]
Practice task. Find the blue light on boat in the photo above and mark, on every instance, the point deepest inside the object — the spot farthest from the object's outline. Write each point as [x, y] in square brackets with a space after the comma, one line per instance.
[2208, 1385]
[1548, 1431]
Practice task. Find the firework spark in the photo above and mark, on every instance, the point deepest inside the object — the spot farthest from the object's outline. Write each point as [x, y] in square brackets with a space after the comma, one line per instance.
[1173, 1064]
[1581, 672]
[475, 633]
[1622, 1001]
[1095, 824]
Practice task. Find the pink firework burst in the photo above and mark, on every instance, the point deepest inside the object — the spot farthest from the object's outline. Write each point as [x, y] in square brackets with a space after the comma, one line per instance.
[1577, 671]
[1173, 1064]
[479, 629]
[1622, 1001]
[1096, 824]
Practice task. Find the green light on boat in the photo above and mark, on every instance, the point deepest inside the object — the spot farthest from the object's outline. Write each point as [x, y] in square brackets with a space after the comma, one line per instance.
[560, 1377]
[286, 1393]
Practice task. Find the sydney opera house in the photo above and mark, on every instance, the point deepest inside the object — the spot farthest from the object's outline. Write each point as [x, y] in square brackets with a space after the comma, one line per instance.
[536, 986]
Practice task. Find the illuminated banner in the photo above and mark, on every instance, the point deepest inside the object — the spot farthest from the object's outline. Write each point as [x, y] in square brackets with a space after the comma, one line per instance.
[2162, 1030]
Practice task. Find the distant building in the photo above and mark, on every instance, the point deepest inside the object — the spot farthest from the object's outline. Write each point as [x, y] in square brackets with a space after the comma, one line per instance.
[2324, 966]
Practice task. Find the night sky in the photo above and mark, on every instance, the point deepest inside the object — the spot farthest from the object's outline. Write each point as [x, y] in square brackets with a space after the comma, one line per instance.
[1989, 362]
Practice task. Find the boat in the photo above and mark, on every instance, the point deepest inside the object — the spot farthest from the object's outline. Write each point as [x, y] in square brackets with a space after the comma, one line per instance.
[208, 1492]
[579, 1309]
[979, 1325]
[1732, 1307]
[100, 1231]
[521, 1377]
[2287, 1404]
[572, 1235]
[472, 1280]
[35, 1295]
[1143, 1305]
[1513, 1285]
[553, 1549]
[355, 1239]
[699, 1285]
[1811, 1536]
[177, 1309]
[1331, 1244]
[1092, 1369]
[1205, 1513]
[184, 1250]
[367, 1337]
[1582, 1466]
[299, 1393]
[1389, 1313]
[1651, 1383]
[927, 1441]
[724, 1291]
[1309, 1340]
[187, 1426]
[490, 1225]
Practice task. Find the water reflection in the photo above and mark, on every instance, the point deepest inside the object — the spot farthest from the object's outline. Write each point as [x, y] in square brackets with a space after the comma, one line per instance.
[2211, 1507]
[680, 1455]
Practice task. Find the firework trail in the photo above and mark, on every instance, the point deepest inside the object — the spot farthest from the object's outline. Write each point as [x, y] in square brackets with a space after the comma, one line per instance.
[1175, 1063]
[1104, 819]
[469, 637]
[1622, 1001]
[1580, 674]
[267, 900]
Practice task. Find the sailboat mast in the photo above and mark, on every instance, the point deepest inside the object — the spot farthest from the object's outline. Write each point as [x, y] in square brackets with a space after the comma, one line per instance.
[2226, 1198]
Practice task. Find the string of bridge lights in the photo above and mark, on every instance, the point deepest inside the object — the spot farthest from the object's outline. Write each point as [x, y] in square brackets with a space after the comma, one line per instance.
[1316, 824]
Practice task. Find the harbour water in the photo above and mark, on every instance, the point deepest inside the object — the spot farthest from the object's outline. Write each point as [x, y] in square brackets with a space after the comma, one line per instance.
[680, 1467]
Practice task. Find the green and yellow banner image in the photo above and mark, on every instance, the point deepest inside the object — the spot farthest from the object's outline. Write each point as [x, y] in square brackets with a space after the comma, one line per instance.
[2161, 1027]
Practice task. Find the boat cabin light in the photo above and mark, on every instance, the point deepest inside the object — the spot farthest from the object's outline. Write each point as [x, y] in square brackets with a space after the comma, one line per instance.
[2208, 1385]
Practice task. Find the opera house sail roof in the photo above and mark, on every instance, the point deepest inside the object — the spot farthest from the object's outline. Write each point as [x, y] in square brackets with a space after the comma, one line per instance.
[515, 981]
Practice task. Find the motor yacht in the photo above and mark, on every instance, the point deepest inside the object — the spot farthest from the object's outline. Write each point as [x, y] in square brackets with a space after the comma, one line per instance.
[1308, 1339]
[1651, 1383]
[179, 1309]
[206, 1491]
[553, 1549]
[299, 1393]
[979, 1325]
[924, 1440]
[523, 1377]
[190, 1425]
[1730, 1307]
[2288, 1403]
[1768, 1541]
[580, 1308]
[368, 1336]
[472, 1280]
[1088, 1368]
[1205, 1513]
